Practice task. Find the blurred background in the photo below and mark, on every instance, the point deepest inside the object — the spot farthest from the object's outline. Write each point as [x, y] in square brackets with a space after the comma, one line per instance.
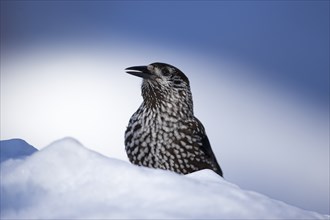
[259, 73]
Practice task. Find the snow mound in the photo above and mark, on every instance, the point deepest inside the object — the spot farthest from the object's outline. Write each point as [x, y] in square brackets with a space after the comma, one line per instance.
[14, 149]
[67, 181]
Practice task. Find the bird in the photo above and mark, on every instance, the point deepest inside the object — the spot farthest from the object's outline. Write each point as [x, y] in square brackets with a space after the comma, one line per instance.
[164, 133]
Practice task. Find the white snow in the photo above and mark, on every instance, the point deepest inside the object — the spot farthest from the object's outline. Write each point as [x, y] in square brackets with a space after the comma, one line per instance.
[15, 148]
[67, 181]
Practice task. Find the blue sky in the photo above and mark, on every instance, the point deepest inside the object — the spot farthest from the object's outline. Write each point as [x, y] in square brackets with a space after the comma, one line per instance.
[287, 39]
[259, 72]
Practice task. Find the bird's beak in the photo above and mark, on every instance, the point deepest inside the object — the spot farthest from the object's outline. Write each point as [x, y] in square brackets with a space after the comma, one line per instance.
[140, 71]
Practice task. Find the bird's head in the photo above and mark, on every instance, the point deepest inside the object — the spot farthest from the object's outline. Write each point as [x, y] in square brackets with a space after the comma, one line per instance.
[162, 83]
[160, 73]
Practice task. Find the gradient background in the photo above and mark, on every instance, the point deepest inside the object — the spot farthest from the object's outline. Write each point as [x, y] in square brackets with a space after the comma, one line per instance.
[259, 72]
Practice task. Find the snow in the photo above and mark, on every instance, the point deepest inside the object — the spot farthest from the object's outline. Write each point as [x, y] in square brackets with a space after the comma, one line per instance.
[15, 148]
[67, 181]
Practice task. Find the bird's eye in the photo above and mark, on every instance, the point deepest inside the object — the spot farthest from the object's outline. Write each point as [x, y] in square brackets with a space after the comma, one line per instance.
[166, 72]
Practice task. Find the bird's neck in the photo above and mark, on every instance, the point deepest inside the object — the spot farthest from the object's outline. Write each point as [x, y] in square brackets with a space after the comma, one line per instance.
[174, 104]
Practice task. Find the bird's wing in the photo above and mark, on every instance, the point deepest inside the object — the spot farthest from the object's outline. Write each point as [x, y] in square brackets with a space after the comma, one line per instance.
[206, 146]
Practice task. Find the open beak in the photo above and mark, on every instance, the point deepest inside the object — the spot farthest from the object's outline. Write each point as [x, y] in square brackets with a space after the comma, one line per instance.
[140, 71]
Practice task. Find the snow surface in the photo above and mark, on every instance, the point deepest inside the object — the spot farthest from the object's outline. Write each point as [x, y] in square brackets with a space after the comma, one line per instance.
[66, 180]
[15, 148]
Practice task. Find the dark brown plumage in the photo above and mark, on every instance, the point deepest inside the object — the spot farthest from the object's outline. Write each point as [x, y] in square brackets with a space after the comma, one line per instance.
[164, 133]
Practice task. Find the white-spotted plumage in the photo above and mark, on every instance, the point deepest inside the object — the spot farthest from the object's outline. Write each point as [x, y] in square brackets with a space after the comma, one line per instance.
[164, 133]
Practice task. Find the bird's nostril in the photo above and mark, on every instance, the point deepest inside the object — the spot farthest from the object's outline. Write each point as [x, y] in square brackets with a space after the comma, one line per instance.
[150, 67]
